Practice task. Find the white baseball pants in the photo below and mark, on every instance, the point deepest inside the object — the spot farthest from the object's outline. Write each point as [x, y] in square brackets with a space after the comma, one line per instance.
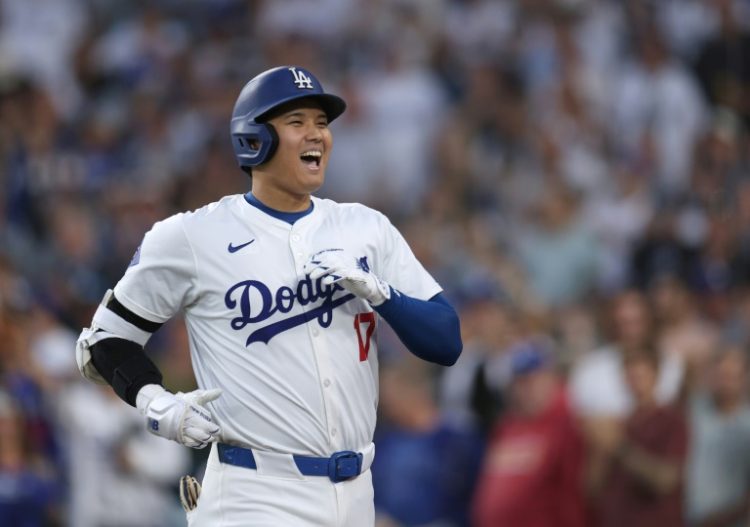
[276, 494]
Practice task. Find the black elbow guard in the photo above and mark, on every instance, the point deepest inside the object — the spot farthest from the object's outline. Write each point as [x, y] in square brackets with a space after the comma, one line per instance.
[125, 366]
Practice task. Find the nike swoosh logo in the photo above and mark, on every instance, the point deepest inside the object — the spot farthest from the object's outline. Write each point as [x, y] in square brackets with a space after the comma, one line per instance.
[234, 248]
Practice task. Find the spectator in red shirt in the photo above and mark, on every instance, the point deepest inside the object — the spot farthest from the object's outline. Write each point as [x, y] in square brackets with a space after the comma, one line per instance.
[532, 473]
[636, 476]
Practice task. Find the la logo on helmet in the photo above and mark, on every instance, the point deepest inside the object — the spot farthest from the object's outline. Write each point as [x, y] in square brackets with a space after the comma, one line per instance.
[301, 80]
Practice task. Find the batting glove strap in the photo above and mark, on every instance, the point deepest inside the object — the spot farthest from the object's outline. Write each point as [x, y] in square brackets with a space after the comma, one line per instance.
[181, 417]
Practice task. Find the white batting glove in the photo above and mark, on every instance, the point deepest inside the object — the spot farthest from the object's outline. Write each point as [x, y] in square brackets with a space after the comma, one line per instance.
[181, 417]
[353, 274]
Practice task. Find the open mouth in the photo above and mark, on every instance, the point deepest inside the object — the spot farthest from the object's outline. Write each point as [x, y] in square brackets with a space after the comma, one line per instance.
[311, 158]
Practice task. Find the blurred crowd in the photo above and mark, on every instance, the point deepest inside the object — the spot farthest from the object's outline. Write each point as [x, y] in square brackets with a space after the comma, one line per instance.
[575, 173]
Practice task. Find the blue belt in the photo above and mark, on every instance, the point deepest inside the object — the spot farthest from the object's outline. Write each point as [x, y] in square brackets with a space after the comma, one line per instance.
[339, 467]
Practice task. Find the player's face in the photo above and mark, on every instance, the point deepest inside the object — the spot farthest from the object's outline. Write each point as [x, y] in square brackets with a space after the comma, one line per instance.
[305, 142]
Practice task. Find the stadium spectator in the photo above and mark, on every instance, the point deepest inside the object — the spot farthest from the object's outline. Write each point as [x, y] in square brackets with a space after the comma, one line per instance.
[411, 489]
[658, 110]
[30, 493]
[123, 475]
[718, 475]
[599, 392]
[636, 474]
[556, 249]
[532, 473]
[720, 67]
[683, 331]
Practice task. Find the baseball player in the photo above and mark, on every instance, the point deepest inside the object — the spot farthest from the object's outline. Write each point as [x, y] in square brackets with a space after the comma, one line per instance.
[282, 293]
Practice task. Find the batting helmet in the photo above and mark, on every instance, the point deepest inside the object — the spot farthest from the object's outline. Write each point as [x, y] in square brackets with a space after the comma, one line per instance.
[254, 140]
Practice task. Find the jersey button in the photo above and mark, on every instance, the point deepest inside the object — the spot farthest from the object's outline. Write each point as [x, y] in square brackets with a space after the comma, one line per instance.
[333, 431]
[295, 237]
[327, 383]
[315, 332]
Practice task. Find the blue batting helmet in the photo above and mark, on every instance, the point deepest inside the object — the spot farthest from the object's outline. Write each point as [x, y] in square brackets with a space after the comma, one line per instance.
[254, 140]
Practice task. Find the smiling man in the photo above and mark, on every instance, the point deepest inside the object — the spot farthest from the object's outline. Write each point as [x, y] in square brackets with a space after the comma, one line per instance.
[282, 293]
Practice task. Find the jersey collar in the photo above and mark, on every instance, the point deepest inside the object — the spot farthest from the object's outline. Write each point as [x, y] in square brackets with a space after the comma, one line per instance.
[288, 217]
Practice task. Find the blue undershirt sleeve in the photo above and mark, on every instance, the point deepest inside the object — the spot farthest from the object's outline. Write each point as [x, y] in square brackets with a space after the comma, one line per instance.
[430, 329]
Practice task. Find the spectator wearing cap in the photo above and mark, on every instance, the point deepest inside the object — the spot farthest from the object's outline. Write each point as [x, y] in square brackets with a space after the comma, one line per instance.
[532, 471]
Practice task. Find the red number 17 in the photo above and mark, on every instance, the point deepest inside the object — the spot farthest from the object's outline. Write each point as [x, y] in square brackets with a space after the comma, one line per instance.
[367, 320]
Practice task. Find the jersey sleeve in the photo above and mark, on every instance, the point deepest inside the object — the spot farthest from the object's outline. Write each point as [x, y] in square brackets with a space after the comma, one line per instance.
[401, 269]
[160, 279]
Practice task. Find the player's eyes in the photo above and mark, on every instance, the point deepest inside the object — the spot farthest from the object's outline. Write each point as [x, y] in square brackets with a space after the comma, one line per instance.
[323, 123]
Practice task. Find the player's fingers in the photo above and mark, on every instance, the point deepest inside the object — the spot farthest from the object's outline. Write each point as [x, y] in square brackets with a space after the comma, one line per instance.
[190, 439]
[204, 425]
[319, 272]
[195, 436]
[191, 444]
[206, 396]
[200, 435]
[332, 279]
[201, 424]
[315, 261]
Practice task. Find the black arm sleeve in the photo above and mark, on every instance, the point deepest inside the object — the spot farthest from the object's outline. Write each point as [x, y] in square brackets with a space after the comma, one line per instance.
[125, 366]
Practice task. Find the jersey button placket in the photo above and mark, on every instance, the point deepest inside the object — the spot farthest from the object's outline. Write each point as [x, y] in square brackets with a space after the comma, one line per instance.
[333, 411]
[319, 346]
[297, 251]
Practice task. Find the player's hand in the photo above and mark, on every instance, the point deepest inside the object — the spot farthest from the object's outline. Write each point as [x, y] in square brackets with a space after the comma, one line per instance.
[181, 417]
[335, 266]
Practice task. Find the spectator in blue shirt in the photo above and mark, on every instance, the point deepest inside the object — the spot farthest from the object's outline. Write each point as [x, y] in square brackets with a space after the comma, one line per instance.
[425, 467]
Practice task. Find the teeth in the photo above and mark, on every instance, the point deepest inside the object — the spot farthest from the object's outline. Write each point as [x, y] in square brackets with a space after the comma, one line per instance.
[312, 153]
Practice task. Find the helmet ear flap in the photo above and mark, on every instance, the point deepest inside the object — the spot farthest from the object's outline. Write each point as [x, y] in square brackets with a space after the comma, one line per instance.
[254, 144]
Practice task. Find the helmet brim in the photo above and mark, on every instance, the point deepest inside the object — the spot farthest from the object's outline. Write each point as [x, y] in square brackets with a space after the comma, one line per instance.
[332, 105]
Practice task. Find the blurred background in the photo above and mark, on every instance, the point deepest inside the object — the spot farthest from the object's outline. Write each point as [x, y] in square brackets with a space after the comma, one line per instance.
[575, 173]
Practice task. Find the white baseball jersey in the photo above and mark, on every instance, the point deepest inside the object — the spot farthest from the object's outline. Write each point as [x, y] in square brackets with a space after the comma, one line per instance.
[297, 360]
